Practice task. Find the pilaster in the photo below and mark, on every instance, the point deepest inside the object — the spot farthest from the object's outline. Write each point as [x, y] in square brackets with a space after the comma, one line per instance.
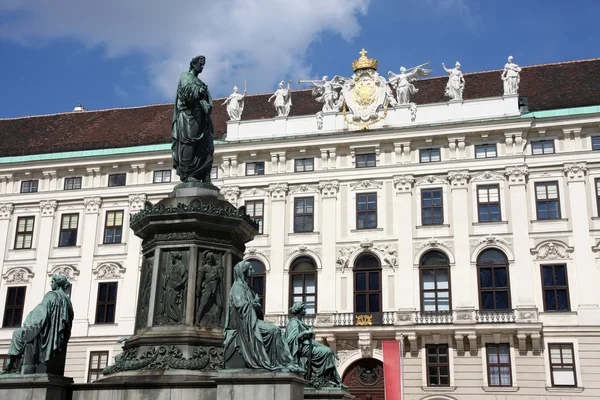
[403, 224]
[277, 303]
[327, 293]
[44, 244]
[6, 211]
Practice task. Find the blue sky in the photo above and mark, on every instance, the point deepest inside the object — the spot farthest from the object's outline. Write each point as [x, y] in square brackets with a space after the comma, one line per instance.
[118, 53]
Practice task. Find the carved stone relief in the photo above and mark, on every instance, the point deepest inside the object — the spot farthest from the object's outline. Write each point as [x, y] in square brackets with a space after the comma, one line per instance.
[231, 194]
[109, 270]
[366, 184]
[171, 288]
[210, 290]
[6, 210]
[92, 204]
[278, 191]
[304, 189]
[18, 275]
[430, 179]
[552, 251]
[47, 207]
[144, 293]
[136, 202]
[67, 270]
[329, 188]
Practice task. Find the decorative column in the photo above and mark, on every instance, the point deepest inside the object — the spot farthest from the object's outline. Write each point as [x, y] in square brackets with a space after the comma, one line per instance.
[234, 166]
[277, 233]
[508, 138]
[324, 159]
[403, 224]
[6, 210]
[225, 165]
[462, 298]
[587, 271]
[521, 273]
[44, 244]
[326, 290]
[282, 163]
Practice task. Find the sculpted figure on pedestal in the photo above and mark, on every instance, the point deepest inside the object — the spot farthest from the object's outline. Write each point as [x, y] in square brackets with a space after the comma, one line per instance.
[283, 99]
[172, 289]
[209, 291]
[511, 77]
[456, 82]
[192, 128]
[235, 104]
[328, 92]
[402, 82]
[41, 341]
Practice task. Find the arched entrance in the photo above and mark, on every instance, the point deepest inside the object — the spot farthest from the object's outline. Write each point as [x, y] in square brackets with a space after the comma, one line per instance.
[364, 379]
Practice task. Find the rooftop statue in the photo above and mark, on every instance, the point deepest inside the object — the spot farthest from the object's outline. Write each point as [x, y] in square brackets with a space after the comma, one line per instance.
[248, 338]
[235, 104]
[511, 77]
[192, 129]
[41, 342]
[283, 99]
[456, 82]
[402, 82]
[318, 360]
[328, 92]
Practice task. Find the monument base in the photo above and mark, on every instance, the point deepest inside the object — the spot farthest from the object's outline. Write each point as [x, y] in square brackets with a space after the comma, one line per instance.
[35, 387]
[251, 385]
[326, 394]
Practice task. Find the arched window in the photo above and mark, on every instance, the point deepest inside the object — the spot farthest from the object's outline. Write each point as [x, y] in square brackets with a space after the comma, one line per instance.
[494, 286]
[435, 282]
[303, 283]
[259, 280]
[367, 284]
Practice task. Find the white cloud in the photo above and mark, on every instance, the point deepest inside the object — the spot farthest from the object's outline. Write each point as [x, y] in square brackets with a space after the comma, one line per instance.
[262, 41]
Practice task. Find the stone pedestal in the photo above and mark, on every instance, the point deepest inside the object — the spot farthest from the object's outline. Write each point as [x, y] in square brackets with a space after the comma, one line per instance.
[326, 394]
[252, 385]
[35, 387]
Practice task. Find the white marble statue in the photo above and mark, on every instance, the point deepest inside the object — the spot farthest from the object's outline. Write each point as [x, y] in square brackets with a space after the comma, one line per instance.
[328, 92]
[319, 117]
[456, 82]
[402, 82]
[235, 104]
[283, 99]
[511, 77]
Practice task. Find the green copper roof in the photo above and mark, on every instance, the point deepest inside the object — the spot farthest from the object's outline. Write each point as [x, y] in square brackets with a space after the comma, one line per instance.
[562, 112]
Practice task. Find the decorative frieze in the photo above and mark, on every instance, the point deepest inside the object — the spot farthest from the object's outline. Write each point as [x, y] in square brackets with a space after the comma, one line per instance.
[575, 171]
[48, 207]
[231, 194]
[254, 192]
[492, 240]
[458, 179]
[403, 183]
[109, 270]
[278, 191]
[6, 210]
[69, 271]
[517, 175]
[487, 176]
[552, 251]
[329, 188]
[304, 189]
[92, 204]
[366, 184]
[136, 201]
[430, 180]
[18, 275]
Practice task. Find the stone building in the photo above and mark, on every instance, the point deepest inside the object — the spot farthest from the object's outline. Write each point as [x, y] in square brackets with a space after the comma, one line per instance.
[469, 231]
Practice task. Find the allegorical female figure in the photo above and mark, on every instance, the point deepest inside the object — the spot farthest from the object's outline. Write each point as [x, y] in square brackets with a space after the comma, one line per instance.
[511, 77]
[283, 100]
[456, 82]
[174, 284]
[235, 104]
[192, 129]
[318, 360]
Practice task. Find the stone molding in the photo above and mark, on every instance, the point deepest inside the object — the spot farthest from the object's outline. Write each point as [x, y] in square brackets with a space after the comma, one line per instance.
[487, 176]
[552, 250]
[430, 180]
[366, 184]
[231, 194]
[254, 192]
[517, 175]
[92, 204]
[458, 179]
[278, 191]
[70, 271]
[136, 201]
[403, 183]
[575, 172]
[18, 275]
[329, 188]
[6, 210]
[109, 270]
[48, 207]
[301, 189]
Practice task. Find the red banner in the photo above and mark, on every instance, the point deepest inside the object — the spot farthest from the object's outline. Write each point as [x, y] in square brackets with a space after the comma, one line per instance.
[392, 370]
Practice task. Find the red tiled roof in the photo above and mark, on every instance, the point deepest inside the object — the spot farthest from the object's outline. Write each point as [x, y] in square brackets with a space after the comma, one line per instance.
[550, 86]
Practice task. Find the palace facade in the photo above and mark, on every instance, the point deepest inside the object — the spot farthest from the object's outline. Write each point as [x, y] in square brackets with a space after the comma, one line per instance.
[470, 231]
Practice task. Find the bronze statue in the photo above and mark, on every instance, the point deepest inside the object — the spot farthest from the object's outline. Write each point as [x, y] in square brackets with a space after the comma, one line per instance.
[209, 291]
[173, 287]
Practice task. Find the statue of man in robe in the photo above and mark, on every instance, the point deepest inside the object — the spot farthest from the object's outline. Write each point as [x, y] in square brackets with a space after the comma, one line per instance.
[192, 128]
[41, 341]
[511, 77]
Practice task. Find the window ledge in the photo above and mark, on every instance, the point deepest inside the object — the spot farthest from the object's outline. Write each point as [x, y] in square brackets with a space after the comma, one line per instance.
[315, 233]
[533, 221]
[490, 223]
[558, 313]
[433, 226]
[595, 218]
[500, 388]
[438, 388]
[261, 235]
[66, 247]
[564, 389]
[111, 244]
[366, 230]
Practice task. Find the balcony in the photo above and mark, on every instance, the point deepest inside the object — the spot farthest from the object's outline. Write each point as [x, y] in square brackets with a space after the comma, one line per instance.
[364, 319]
[434, 317]
[495, 316]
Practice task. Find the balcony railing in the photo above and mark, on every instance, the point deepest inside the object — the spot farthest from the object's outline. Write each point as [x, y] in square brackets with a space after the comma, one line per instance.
[495, 316]
[434, 317]
[364, 319]
[282, 320]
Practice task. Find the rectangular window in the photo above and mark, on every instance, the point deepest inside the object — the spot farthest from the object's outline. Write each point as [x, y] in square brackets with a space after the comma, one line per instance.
[255, 168]
[255, 209]
[555, 288]
[547, 200]
[432, 207]
[24, 237]
[29, 186]
[304, 214]
[438, 365]
[486, 151]
[430, 155]
[214, 173]
[113, 230]
[365, 160]
[107, 303]
[117, 180]
[304, 164]
[597, 182]
[3, 361]
[562, 364]
[542, 147]
[366, 211]
[596, 143]
[488, 203]
[162, 176]
[435, 289]
[498, 364]
[494, 288]
[73, 183]
[98, 361]
[13, 309]
[68, 230]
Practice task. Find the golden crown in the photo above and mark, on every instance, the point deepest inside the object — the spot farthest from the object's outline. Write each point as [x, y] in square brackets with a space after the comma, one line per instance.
[364, 62]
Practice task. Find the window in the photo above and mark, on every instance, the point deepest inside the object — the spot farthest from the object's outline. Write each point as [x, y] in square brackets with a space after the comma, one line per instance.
[562, 364]
[367, 284]
[68, 230]
[255, 168]
[113, 230]
[107, 303]
[304, 164]
[163, 176]
[430, 155]
[4, 358]
[303, 283]
[596, 143]
[498, 365]
[73, 183]
[485, 151]
[13, 309]
[214, 173]
[435, 282]
[29, 186]
[366, 211]
[438, 365]
[117, 180]
[542, 147]
[304, 214]
[258, 280]
[365, 160]
[597, 181]
[432, 207]
[255, 209]
[98, 361]
[555, 287]
[488, 203]
[547, 201]
[494, 290]
[24, 237]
